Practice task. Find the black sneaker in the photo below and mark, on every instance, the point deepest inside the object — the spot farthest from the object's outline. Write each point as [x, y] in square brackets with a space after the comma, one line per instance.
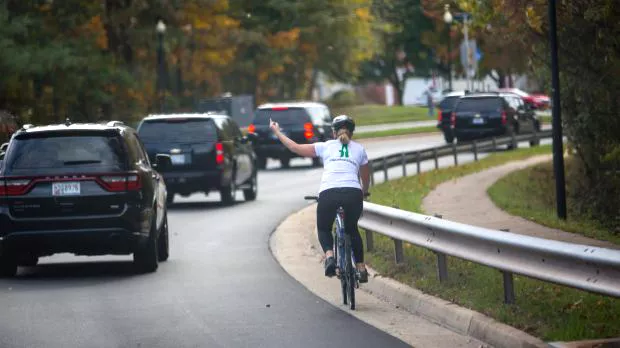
[363, 276]
[330, 266]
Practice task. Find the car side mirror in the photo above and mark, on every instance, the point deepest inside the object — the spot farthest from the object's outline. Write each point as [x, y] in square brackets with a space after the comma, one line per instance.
[163, 162]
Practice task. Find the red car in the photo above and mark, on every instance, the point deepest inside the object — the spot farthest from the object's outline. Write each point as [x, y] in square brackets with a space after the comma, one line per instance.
[537, 101]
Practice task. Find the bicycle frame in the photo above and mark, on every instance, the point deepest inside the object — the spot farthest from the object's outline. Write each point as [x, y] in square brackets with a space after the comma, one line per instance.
[340, 235]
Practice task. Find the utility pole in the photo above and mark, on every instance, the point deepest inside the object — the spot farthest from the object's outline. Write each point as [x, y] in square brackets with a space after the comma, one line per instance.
[558, 151]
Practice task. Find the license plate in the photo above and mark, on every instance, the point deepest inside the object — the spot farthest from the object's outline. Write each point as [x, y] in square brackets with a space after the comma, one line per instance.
[66, 189]
[478, 121]
[177, 159]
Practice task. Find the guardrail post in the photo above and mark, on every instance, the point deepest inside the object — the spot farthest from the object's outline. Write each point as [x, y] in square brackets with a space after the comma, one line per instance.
[398, 251]
[535, 137]
[385, 171]
[513, 137]
[435, 158]
[404, 163]
[417, 161]
[494, 144]
[456, 160]
[474, 149]
[442, 264]
[370, 242]
[509, 288]
[442, 267]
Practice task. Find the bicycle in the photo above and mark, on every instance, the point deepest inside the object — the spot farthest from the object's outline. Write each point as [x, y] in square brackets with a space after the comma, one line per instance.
[345, 260]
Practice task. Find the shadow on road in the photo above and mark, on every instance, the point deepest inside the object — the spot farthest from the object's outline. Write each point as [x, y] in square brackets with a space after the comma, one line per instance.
[203, 205]
[102, 271]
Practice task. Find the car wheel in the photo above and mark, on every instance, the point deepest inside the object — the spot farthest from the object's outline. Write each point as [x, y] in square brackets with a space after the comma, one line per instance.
[228, 193]
[250, 193]
[449, 138]
[261, 162]
[8, 266]
[145, 258]
[317, 162]
[163, 241]
[285, 162]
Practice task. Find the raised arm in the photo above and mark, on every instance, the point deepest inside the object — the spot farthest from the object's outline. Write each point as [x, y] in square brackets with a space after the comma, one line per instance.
[305, 150]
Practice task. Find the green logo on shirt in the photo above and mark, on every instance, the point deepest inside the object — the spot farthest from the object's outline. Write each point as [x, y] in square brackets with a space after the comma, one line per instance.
[344, 151]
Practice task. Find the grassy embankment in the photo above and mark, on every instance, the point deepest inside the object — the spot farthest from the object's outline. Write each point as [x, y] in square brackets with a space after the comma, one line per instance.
[544, 310]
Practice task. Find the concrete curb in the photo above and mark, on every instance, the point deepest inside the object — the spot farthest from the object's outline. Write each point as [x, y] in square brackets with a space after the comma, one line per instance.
[447, 314]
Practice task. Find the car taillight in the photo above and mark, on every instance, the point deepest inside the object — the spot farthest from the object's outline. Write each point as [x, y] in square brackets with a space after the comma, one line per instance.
[453, 119]
[14, 187]
[308, 130]
[251, 129]
[219, 153]
[504, 118]
[120, 183]
[439, 118]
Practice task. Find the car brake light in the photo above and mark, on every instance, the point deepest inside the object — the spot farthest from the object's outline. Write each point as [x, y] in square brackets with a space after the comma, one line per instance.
[453, 119]
[120, 183]
[279, 108]
[14, 187]
[219, 153]
[439, 118]
[308, 130]
[251, 128]
[504, 119]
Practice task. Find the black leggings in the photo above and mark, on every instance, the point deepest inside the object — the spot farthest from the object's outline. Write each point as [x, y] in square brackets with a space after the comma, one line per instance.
[351, 199]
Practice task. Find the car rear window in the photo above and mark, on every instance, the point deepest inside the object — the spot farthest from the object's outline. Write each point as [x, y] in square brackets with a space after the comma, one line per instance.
[282, 116]
[178, 131]
[479, 104]
[448, 103]
[57, 153]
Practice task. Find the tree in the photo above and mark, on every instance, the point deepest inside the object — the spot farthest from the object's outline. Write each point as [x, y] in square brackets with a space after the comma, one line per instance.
[589, 67]
[400, 28]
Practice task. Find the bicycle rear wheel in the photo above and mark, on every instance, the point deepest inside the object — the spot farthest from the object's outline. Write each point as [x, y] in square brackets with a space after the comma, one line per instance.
[349, 272]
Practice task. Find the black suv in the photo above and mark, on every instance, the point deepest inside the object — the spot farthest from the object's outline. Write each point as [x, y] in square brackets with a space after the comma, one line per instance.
[85, 189]
[482, 115]
[303, 122]
[444, 114]
[208, 152]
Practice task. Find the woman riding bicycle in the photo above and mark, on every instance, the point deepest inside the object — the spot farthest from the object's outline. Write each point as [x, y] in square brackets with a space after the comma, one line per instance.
[344, 163]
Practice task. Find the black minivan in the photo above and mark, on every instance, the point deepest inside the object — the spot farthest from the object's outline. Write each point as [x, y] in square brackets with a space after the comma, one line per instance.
[208, 153]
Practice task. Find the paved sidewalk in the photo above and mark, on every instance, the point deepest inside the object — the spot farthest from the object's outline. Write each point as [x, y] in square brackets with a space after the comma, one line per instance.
[465, 200]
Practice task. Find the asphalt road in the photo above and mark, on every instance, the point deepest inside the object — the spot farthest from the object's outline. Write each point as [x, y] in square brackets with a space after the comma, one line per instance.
[220, 288]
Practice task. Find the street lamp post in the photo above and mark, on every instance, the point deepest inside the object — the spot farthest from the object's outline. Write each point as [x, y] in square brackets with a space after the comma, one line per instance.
[556, 116]
[447, 17]
[161, 88]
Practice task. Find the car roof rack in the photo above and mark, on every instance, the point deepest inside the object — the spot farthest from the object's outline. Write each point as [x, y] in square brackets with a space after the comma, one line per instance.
[115, 123]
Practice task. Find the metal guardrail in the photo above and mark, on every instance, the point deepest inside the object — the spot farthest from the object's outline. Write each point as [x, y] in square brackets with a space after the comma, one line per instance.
[583, 267]
[475, 147]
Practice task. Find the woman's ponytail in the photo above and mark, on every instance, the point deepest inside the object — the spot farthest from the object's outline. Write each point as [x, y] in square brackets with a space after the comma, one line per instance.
[344, 136]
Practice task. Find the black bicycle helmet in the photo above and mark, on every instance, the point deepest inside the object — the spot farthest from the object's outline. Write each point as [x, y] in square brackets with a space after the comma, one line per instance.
[341, 121]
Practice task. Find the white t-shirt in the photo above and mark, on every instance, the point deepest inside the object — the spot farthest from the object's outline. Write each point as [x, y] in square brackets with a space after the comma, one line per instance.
[341, 163]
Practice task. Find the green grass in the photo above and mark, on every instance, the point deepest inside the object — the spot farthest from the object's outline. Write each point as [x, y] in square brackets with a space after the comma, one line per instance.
[544, 310]
[377, 114]
[393, 132]
[530, 193]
